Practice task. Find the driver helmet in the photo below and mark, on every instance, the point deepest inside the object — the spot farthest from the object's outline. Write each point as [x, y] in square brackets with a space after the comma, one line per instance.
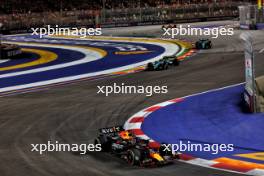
[126, 135]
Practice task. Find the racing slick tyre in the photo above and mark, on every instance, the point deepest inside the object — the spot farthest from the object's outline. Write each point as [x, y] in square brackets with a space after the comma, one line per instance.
[197, 46]
[166, 66]
[165, 151]
[105, 144]
[210, 45]
[134, 157]
[150, 67]
[175, 62]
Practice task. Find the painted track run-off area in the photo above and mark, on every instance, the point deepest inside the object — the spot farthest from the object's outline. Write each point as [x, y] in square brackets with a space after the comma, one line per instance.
[57, 60]
[212, 117]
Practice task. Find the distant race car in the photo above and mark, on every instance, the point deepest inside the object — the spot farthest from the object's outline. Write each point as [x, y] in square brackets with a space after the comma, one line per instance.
[163, 64]
[203, 44]
[134, 150]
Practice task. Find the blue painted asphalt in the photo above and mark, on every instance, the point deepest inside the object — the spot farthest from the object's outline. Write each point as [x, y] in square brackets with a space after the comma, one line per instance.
[214, 117]
[110, 61]
[64, 56]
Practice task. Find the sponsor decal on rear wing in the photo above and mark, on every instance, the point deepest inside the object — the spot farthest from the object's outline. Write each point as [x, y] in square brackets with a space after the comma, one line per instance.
[110, 130]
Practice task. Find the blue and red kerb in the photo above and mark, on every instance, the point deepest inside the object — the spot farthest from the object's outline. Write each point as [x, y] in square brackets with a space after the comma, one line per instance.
[136, 120]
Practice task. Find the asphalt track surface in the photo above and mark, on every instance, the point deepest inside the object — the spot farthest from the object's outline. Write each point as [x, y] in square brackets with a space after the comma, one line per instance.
[73, 113]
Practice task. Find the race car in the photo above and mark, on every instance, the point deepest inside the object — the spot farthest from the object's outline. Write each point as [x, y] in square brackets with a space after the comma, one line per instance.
[134, 150]
[203, 44]
[163, 64]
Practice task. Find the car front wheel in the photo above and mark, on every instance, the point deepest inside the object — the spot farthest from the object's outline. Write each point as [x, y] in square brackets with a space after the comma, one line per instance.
[134, 157]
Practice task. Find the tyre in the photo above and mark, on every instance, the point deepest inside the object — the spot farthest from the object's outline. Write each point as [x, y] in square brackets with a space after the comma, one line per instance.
[134, 157]
[166, 66]
[197, 46]
[176, 62]
[150, 67]
[164, 150]
[105, 144]
[210, 45]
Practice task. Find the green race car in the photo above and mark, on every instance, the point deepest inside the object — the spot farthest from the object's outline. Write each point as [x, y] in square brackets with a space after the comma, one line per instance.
[163, 64]
[203, 44]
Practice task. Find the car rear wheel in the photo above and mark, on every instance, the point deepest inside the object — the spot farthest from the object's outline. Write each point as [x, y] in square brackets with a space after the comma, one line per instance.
[165, 150]
[105, 144]
[197, 46]
[134, 157]
[166, 66]
[176, 62]
[150, 67]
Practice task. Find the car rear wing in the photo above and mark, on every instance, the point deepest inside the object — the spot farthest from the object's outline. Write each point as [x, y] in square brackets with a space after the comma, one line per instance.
[111, 130]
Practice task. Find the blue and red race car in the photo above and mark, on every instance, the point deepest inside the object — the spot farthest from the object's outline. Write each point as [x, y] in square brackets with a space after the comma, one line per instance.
[134, 150]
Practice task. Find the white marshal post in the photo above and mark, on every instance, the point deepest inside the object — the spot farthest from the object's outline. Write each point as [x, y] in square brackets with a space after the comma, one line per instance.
[250, 91]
